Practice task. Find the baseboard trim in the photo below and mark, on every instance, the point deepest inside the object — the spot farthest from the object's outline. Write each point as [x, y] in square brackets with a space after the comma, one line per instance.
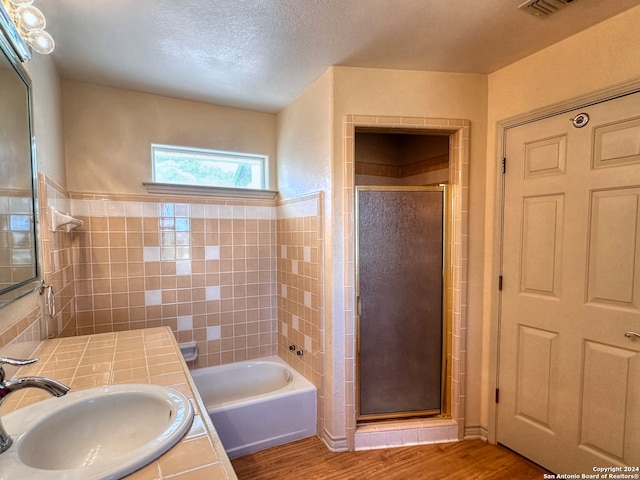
[476, 432]
[334, 444]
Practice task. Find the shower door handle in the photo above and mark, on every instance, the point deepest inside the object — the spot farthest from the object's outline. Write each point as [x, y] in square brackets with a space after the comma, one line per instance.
[632, 335]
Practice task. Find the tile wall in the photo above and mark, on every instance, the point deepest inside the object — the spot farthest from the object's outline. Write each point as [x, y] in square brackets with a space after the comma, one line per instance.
[300, 287]
[57, 267]
[243, 279]
[206, 268]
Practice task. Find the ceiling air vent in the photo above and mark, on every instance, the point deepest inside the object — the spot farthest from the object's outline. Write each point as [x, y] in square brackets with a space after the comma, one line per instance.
[544, 8]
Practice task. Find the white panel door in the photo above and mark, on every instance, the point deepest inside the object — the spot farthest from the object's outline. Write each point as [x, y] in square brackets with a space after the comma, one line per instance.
[569, 377]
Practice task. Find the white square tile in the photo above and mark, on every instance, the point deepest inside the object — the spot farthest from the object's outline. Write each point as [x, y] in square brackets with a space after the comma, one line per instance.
[197, 210]
[363, 441]
[80, 208]
[425, 435]
[378, 439]
[213, 293]
[183, 267]
[151, 254]
[410, 436]
[306, 253]
[153, 297]
[181, 210]
[132, 209]
[185, 323]
[266, 213]
[115, 209]
[239, 212]
[394, 438]
[211, 211]
[214, 333]
[149, 209]
[441, 434]
[212, 252]
[251, 212]
[98, 208]
[225, 211]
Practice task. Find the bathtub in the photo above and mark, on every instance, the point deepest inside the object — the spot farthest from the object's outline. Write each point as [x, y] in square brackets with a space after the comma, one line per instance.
[257, 404]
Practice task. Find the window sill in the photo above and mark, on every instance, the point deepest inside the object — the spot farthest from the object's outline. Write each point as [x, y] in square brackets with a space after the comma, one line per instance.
[200, 190]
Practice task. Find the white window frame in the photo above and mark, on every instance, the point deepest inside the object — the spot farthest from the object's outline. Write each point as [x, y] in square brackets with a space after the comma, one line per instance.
[212, 190]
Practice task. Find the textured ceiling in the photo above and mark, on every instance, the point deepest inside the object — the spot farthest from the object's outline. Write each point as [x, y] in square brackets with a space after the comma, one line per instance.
[261, 54]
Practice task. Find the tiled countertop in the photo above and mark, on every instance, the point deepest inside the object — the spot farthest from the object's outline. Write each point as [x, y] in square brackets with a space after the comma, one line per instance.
[137, 356]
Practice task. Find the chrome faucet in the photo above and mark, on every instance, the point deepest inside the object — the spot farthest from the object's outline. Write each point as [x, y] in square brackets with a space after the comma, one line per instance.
[53, 387]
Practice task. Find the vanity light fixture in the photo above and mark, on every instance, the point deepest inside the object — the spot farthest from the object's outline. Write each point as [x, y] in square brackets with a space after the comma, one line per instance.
[30, 24]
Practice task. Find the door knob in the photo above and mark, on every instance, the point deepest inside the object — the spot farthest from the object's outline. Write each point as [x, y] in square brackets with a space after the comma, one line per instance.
[632, 335]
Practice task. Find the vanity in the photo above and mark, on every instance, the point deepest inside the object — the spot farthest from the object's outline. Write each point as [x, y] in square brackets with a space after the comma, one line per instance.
[147, 356]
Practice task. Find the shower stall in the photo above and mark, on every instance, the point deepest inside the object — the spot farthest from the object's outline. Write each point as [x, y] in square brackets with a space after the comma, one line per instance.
[401, 347]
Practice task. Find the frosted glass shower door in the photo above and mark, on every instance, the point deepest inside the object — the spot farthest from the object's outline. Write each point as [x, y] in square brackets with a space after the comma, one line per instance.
[400, 291]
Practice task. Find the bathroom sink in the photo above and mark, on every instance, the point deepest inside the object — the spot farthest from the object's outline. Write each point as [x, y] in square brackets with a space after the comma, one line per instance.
[99, 433]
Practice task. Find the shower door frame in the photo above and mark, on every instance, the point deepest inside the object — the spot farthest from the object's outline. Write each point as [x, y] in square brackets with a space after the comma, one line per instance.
[445, 375]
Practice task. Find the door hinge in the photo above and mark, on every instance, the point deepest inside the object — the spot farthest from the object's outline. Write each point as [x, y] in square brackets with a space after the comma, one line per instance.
[497, 395]
[504, 165]
[500, 283]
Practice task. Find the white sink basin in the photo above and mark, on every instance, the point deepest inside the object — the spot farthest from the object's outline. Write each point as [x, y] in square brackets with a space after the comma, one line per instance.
[98, 433]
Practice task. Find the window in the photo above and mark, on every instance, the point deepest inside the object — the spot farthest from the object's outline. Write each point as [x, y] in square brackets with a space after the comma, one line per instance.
[208, 168]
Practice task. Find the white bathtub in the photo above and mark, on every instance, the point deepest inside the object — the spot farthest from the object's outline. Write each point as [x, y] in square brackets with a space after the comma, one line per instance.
[257, 404]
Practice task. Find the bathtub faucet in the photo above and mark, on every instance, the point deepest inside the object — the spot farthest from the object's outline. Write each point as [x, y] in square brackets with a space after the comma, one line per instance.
[53, 387]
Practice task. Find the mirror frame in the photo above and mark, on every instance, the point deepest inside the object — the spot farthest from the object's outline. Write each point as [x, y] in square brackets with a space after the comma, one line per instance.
[16, 51]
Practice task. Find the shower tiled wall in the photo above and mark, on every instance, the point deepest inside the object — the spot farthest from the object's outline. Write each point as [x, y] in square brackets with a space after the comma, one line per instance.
[299, 237]
[300, 282]
[219, 272]
[205, 268]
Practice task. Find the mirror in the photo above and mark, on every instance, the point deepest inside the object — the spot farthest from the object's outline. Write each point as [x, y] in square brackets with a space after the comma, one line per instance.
[18, 255]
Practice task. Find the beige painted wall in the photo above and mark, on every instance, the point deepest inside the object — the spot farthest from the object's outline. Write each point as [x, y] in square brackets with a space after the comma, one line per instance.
[109, 132]
[14, 135]
[47, 117]
[602, 56]
[304, 141]
[304, 166]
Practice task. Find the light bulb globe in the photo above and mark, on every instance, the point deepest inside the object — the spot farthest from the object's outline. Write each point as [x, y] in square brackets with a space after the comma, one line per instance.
[31, 18]
[41, 42]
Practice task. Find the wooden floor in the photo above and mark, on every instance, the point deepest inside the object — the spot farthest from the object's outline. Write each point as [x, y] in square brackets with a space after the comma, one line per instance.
[309, 459]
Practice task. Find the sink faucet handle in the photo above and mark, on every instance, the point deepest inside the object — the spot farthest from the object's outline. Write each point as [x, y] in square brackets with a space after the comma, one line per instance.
[14, 362]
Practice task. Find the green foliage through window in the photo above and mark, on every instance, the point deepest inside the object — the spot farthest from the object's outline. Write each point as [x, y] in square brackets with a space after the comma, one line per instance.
[191, 166]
